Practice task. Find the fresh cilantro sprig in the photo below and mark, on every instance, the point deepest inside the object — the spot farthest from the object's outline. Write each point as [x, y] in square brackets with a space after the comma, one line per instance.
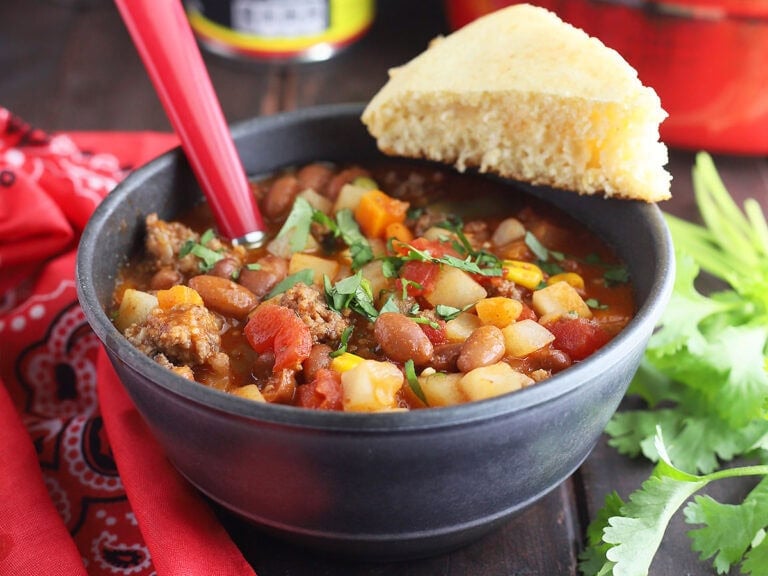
[704, 378]
[624, 537]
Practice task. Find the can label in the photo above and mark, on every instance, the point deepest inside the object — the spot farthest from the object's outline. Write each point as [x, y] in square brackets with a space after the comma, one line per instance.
[279, 29]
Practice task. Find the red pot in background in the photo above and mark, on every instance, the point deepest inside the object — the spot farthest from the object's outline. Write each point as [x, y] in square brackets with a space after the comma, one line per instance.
[707, 60]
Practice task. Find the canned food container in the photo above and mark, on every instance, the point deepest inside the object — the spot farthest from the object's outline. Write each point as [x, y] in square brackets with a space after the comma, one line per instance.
[707, 60]
[285, 30]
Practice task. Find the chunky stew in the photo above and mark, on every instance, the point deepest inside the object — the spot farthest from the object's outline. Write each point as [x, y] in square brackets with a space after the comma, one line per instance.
[390, 287]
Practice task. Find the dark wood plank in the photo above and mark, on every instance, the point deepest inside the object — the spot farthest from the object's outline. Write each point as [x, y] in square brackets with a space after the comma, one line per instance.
[542, 540]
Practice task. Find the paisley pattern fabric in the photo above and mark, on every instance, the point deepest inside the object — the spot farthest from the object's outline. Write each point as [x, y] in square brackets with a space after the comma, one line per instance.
[49, 186]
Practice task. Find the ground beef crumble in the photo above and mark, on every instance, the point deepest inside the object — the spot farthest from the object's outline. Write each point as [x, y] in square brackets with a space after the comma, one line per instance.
[325, 325]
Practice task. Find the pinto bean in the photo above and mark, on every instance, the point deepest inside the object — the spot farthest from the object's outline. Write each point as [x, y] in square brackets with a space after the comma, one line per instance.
[280, 387]
[280, 196]
[224, 296]
[315, 176]
[402, 339]
[344, 177]
[485, 346]
[225, 267]
[318, 359]
[261, 281]
[550, 359]
[165, 278]
[445, 356]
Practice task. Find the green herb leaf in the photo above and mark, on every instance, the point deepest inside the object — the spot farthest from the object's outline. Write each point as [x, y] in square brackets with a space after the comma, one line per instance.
[447, 312]
[538, 249]
[413, 381]
[297, 225]
[616, 275]
[353, 292]
[301, 277]
[359, 248]
[207, 256]
[595, 304]
[343, 343]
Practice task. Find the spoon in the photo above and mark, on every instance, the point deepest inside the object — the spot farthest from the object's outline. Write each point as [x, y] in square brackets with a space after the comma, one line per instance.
[162, 35]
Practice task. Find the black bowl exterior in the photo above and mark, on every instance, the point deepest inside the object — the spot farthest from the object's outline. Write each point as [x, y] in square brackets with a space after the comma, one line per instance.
[383, 486]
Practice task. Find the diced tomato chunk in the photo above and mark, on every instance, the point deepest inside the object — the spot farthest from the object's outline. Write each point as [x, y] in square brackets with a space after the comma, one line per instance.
[436, 335]
[527, 313]
[323, 393]
[422, 273]
[277, 329]
[578, 337]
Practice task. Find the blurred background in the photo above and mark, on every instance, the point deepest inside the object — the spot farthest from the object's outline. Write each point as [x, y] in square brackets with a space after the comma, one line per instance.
[707, 59]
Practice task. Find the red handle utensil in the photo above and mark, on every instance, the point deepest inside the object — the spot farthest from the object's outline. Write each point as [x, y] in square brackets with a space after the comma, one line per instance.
[164, 40]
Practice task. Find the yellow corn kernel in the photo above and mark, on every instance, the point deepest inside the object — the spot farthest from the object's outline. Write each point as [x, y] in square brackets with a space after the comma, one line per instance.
[345, 361]
[523, 273]
[498, 311]
[176, 295]
[569, 278]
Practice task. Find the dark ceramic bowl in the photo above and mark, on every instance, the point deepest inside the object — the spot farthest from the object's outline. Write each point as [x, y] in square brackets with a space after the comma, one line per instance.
[379, 486]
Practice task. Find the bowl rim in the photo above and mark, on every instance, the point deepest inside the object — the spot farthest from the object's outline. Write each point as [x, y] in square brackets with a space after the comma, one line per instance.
[558, 385]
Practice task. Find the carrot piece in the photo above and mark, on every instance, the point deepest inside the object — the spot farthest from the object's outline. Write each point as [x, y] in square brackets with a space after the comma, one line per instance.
[398, 231]
[179, 294]
[376, 211]
[280, 330]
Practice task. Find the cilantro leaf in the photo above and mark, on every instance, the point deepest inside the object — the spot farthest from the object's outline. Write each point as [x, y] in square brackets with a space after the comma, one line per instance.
[413, 381]
[305, 276]
[359, 248]
[297, 224]
[728, 530]
[353, 292]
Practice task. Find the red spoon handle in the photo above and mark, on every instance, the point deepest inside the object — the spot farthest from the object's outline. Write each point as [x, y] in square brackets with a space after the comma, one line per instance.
[165, 42]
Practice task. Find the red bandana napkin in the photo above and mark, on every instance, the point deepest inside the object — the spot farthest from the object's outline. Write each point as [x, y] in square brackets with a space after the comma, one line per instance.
[84, 488]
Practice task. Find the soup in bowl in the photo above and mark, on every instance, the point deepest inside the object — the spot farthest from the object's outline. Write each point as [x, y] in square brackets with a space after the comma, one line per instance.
[413, 357]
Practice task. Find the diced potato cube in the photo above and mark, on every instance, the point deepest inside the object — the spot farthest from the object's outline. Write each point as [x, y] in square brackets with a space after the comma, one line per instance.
[317, 201]
[494, 380]
[439, 234]
[508, 230]
[374, 273]
[441, 389]
[249, 392]
[498, 311]
[349, 197]
[524, 337]
[319, 266]
[456, 288]
[458, 329]
[134, 308]
[559, 299]
[371, 386]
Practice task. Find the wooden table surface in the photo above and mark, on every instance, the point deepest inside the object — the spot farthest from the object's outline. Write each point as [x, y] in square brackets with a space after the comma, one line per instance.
[70, 65]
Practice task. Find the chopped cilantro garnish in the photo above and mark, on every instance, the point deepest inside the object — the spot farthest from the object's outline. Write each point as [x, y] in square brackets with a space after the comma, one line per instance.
[359, 248]
[389, 306]
[297, 224]
[538, 249]
[616, 275]
[427, 321]
[447, 312]
[354, 292]
[595, 304]
[413, 381]
[253, 266]
[344, 342]
[207, 256]
[301, 277]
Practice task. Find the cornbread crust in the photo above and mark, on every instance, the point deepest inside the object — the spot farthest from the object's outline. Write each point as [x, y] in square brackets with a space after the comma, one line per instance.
[522, 94]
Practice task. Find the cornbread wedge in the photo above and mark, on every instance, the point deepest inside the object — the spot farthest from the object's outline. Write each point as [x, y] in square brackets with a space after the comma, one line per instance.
[522, 94]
